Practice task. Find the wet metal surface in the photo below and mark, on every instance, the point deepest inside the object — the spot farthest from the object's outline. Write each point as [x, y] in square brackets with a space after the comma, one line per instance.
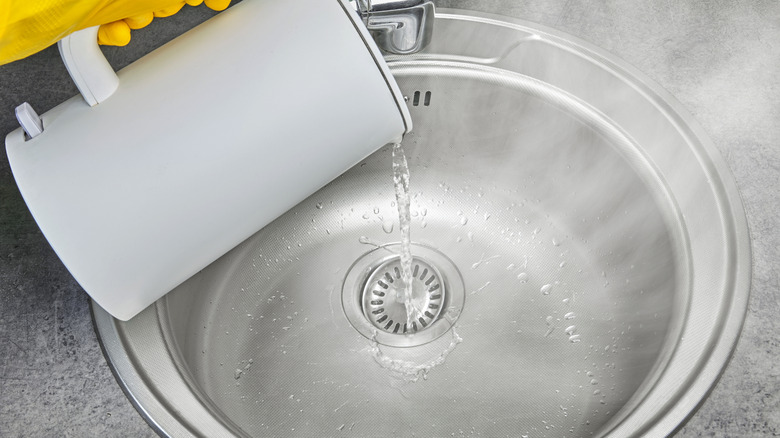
[601, 244]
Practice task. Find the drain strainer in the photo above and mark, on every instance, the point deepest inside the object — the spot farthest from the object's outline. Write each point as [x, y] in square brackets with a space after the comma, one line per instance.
[372, 296]
[383, 296]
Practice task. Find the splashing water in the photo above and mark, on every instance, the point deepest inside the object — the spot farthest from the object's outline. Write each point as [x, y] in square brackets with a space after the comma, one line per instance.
[411, 371]
[401, 182]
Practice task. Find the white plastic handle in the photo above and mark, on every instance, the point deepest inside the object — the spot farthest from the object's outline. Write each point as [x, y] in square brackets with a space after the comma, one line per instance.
[88, 68]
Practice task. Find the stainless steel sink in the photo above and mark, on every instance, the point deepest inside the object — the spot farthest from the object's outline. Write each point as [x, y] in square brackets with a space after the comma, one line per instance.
[584, 247]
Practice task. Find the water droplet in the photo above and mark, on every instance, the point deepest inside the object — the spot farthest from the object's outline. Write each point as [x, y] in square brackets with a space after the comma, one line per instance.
[481, 288]
[423, 223]
[597, 392]
[376, 210]
[365, 216]
[464, 220]
[555, 242]
[569, 315]
[523, 277]
[563, 263]
[570, 329]
[470, 235]
[387, 226]
[237, 373]
[549, 320]
[319, 206]
[594, 382]
[510, 267]
[546, 289]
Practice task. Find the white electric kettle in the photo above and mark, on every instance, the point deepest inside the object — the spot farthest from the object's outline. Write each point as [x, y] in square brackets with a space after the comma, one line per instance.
[156, 171]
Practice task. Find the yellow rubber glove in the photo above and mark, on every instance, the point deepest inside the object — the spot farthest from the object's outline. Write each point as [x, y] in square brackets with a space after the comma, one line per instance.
[29, 26]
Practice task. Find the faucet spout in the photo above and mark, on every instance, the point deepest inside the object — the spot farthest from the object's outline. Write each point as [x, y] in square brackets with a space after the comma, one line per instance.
[400, 27]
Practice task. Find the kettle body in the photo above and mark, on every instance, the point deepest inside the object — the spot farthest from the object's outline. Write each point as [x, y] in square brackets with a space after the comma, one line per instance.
[203, 142]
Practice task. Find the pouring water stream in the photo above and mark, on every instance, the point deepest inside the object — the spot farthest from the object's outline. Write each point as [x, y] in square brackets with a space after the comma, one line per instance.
[401, 182]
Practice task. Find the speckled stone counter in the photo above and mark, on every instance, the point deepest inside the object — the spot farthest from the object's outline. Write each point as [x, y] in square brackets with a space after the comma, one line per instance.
[721, 59]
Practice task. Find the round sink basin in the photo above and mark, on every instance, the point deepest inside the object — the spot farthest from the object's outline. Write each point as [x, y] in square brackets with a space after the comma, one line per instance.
[580, 249]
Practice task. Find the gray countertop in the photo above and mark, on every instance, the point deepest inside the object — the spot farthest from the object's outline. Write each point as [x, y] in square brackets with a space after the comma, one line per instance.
[721, 59]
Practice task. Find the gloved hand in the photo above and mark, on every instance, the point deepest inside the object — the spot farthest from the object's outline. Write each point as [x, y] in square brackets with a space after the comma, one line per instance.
[29, 26]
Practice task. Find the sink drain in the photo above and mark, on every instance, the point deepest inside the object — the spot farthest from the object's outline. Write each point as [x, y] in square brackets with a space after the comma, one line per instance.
[383, 296]
[372, 296]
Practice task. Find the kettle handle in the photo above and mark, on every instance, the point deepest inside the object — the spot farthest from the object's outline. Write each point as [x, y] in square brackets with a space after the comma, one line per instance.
[87, 65]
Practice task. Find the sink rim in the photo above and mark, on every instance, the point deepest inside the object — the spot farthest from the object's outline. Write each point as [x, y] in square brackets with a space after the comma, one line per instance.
[695, 387]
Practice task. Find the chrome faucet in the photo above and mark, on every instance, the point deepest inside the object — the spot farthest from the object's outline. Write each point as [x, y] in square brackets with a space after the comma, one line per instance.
[401, 27]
